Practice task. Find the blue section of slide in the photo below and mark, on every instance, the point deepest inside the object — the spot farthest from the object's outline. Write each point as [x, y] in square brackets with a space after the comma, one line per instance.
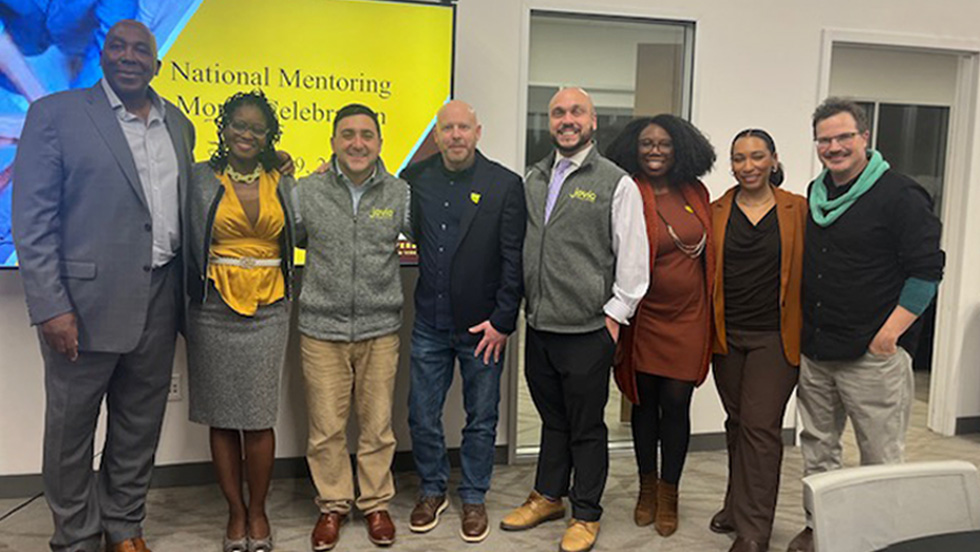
[58, 45]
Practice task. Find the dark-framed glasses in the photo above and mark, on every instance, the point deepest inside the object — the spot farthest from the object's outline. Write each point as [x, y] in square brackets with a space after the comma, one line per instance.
[241, 127]
[845, 139]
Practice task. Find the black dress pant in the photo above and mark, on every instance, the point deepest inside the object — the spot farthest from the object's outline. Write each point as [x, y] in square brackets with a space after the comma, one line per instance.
[568, 377]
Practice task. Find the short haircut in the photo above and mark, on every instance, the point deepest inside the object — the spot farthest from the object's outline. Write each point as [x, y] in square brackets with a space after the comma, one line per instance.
[352, 109]
[693, 154]
[835, 105]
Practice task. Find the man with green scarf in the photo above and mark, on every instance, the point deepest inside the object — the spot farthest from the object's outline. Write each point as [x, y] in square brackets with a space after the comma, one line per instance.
[871, 266]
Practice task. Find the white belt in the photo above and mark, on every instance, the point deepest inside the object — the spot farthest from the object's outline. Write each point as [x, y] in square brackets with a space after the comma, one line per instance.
[245, 262]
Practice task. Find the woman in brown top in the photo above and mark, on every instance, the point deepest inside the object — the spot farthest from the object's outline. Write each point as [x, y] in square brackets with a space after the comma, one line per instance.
[758, 230]
[663, 353]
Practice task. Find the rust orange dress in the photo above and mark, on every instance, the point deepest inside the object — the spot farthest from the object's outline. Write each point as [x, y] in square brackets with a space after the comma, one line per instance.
[670, 333]
[669, 326]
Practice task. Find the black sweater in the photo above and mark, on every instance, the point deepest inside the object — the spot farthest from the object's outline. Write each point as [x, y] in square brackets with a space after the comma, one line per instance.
[854, 269]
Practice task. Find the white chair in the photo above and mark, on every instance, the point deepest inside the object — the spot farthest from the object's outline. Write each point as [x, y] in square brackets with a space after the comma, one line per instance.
[871, 507]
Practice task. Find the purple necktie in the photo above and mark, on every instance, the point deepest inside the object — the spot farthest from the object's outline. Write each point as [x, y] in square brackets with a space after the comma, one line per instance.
[557, 179]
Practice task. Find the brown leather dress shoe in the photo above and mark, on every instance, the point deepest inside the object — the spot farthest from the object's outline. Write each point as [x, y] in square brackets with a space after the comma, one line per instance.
[720, 523]
[381, 530]
[130, 545]
[425, 514]
[474, 525]
[747, 545]
[802, 542]
[326, 533]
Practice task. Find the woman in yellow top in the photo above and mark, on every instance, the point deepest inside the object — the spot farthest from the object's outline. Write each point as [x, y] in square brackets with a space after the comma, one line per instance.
[240, 237]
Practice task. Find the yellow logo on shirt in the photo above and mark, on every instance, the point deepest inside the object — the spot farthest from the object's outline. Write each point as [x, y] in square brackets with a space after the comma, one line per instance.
[583, 195]
[382, 213]
[475, 198]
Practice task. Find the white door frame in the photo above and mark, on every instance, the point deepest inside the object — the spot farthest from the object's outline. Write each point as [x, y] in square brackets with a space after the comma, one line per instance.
[946, 362]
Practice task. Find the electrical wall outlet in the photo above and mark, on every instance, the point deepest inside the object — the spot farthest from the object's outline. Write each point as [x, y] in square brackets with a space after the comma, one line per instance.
[175, 393]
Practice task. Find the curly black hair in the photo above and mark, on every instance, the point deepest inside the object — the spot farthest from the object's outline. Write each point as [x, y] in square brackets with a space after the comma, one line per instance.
[267, 157]
[694, 155]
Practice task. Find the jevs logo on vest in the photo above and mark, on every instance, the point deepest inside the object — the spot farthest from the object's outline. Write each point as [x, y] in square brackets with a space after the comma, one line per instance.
[382, 213]
[583, 195]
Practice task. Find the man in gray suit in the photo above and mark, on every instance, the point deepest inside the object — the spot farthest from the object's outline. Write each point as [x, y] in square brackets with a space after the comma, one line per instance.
[99, 178]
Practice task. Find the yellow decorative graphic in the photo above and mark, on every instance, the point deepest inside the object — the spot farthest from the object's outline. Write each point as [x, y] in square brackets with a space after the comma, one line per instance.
[583, 195]
[689, 209]
[475, 198]
[382, 213]
[312, 57]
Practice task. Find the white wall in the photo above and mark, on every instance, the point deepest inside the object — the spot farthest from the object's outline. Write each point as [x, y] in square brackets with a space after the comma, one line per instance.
[923, 78]
[756, 64]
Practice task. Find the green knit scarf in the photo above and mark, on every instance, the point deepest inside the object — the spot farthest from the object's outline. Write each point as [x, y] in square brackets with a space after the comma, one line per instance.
[826, 211]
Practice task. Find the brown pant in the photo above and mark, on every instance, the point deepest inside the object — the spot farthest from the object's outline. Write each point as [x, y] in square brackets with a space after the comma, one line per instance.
[755, 382]
[335, 372]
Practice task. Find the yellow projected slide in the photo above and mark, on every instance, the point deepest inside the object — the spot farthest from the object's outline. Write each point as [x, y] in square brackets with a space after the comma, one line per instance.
[311, 57]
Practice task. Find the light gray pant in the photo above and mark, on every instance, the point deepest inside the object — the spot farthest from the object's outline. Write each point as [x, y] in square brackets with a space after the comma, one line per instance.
[875, 392]
[135, 386]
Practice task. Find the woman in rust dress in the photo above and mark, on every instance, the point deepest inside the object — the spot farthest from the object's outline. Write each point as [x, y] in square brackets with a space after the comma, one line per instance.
[663, 353]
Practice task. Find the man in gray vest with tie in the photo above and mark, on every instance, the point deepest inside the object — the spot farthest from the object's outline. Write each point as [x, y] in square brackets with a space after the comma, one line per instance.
[586, 268]
[98, 179]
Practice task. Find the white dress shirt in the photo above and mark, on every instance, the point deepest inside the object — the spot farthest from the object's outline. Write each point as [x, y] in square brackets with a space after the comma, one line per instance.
[156, 165]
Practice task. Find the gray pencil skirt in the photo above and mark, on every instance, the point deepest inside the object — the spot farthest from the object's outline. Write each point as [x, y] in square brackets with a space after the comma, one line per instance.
[234, 363]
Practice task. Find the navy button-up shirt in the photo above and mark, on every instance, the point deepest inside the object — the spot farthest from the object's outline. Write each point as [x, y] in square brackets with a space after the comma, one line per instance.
[441, 197]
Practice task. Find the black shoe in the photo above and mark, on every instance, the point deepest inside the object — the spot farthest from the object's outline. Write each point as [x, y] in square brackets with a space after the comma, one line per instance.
[720, 524]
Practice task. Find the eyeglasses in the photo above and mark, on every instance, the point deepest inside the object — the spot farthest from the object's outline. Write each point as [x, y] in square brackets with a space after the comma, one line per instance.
[659, 146]
[241, 126]
[844, 139]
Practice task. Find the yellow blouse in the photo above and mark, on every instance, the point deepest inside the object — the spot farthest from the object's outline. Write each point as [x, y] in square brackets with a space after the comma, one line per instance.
[245, 289]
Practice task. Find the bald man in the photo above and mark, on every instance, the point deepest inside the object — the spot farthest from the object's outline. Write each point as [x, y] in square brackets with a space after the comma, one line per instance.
[586, 268]
[99, 175]
[469, 219]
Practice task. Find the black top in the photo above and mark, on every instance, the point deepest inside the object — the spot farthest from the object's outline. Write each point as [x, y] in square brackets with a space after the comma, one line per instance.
[440, 197]
[484, 260]
[854, 269]
[752, 263]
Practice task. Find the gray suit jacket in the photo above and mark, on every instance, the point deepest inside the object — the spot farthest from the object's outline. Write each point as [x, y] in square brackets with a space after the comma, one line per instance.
[81, 223]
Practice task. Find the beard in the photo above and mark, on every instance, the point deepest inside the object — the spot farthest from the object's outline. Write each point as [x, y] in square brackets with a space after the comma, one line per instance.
[585, 136]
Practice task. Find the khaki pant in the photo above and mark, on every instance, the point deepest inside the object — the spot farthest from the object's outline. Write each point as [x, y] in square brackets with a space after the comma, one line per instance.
[875, 392]
[335, 372]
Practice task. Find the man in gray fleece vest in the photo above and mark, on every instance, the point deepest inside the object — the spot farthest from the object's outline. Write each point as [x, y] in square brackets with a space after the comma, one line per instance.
[350, 310]
[586, 267]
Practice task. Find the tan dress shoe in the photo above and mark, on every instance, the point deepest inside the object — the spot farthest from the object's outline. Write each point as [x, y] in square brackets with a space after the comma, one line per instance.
[535, 511]
[580, 536]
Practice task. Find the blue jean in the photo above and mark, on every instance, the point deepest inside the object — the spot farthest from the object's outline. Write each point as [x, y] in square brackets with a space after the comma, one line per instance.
[432, 362]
